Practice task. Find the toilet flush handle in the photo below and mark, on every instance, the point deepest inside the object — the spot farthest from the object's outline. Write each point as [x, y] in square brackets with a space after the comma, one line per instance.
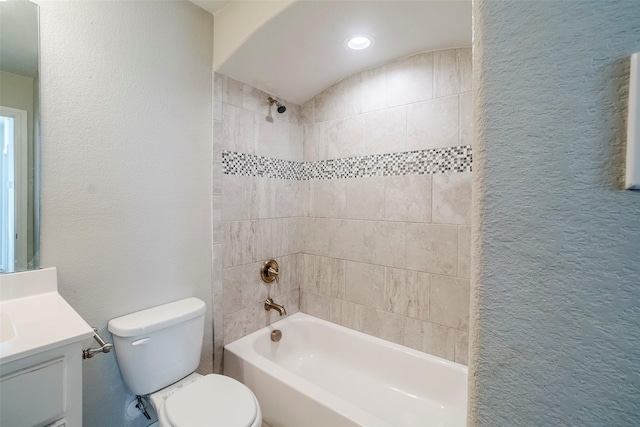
[142, 341]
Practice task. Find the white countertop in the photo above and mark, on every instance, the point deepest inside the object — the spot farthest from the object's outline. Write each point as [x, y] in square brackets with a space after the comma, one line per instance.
[34, 317]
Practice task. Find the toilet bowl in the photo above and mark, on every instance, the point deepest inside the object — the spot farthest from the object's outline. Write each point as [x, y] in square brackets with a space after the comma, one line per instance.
[210, 400]
[158, 350]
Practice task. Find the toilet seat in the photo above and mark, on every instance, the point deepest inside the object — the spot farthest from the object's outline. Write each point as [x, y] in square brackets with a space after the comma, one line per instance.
[212, 400]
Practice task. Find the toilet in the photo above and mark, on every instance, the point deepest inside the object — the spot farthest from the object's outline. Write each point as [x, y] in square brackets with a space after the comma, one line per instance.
[158, 351]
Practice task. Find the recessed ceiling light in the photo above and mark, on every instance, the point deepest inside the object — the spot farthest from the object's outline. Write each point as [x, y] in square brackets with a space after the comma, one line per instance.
[359, 42]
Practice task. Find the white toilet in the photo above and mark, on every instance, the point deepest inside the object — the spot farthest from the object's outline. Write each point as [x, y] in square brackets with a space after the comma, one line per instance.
[158, 351]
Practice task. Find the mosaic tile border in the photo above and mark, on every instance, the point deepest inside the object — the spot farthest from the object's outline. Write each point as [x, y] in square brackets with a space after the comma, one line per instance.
[436, 160]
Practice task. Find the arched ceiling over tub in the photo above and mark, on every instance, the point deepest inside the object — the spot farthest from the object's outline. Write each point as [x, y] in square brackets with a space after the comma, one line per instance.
[295, 49]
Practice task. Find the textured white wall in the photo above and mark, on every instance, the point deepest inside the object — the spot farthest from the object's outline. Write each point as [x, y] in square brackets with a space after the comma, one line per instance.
[556, 283]
[126, 168]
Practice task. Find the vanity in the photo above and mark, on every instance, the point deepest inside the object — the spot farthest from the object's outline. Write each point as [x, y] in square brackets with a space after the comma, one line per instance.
[40, 352]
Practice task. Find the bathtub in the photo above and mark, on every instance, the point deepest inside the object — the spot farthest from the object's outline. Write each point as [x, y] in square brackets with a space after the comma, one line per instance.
[324, 375]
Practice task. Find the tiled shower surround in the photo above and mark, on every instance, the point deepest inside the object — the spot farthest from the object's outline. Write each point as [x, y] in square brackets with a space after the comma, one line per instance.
[363, 195]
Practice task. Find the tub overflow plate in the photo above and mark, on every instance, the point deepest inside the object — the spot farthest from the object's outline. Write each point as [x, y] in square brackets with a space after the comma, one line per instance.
[276, 335]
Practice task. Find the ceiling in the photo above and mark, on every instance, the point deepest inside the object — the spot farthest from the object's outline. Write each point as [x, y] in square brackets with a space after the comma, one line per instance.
[300, 50]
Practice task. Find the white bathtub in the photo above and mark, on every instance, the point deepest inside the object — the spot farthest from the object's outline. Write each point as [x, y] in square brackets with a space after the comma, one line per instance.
[321, 374]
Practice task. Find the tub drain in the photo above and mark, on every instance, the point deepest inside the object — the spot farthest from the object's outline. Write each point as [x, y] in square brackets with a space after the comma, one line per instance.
[276, 335]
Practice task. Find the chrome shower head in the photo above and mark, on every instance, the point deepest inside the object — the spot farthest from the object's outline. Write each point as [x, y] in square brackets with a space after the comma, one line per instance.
[281, 108]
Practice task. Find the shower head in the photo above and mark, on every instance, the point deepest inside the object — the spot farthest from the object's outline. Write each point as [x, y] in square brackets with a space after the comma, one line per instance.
[281, 108]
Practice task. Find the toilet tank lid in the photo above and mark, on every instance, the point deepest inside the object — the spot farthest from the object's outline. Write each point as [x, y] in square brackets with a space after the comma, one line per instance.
[156, 318]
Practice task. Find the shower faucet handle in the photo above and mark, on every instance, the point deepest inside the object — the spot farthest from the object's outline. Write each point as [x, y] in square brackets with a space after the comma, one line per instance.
[270, 271]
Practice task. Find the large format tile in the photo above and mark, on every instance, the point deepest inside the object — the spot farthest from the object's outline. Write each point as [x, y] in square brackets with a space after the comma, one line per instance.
[450, 302]
[383, 243]
[240, 240]
[382, 324]
[464, 251]
[273, 238]
[345, 137]
[365, 284]
[374, 89]
[273, 139]
[408, 198]
[462, 347]
[451, 198]
[409, 80]
[239, 129]
[329, 198]
[242, 287]
[323, 275]
[231, 91]
[466, 119]
[446, 72]
[430, 338]
[365, 198]
[386, 131]
[432, 248]
[433, 124]
[331, 103]
[407, 293]
[217, 96]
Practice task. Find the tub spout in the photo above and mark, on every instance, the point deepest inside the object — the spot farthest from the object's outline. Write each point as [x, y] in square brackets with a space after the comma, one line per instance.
[270, 305]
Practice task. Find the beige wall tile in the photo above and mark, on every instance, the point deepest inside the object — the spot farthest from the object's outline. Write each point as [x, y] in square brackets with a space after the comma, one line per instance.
[315, 305]
[365, 284]
[464, 251]
[365, 198]
[239, 129]
[216, 219]
[345, 137]
[433, 123]
[408, 198]
[307, 113]
[451, 198]
[217, 96]
[432, 248]
[387, 326]
[231, 91]
[255, 100]
[329, 198]
[353, 88]
[409, 80]
[242, 287]
[273, 139]
[462, 347]
[442, 342]
[273, 238]
[386, 131]
[374, 89]
[216, 267]
[218, 329]
[407, 293]
[383, 243]
[331, 104]
[218, 351]
[351, 316]
[239, 197]
[310, 149]
[466, 119]
[450, 302]
[446, 72]
[295, 149]
[241, 323]
[323, 275]
[317, 238]
[240, 240]
[430, 338]
[262, 194]
[465, 59]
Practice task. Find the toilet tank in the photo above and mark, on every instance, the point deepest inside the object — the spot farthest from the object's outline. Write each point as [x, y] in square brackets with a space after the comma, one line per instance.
[158, 346]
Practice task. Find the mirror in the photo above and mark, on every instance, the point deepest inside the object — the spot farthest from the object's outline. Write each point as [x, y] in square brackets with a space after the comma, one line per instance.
[19, 136]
